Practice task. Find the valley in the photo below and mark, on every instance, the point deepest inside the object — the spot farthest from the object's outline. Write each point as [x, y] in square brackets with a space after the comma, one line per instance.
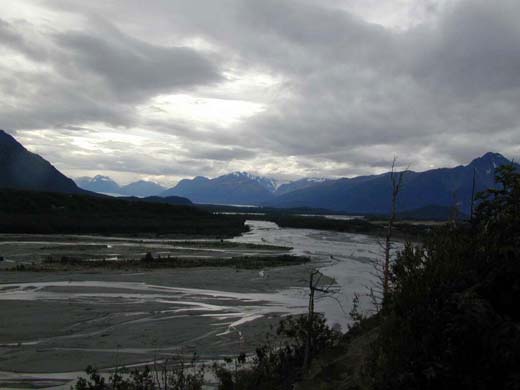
[59, 322]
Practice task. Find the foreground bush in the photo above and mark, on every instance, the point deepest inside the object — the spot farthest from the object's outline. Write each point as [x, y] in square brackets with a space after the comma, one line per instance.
[452, 320]
[177, 376]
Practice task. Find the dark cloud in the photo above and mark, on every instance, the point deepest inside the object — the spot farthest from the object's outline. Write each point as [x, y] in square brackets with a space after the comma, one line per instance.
[133, 69]
[205, 152]
[12, 38]
[91, 76]
[457, 77]
[472, 51]
[349, 93]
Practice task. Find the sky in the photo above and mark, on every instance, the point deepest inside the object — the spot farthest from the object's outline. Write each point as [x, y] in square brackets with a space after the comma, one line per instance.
[165, 89]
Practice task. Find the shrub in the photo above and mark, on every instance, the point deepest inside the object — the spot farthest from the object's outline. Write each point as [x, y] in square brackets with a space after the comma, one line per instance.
[452, 318]
[278, 363]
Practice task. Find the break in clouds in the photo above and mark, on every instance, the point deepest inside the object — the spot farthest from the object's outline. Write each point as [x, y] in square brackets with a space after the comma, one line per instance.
[168, 89]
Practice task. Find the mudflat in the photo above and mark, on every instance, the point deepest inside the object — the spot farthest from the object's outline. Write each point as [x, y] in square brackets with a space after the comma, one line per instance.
[63, 321]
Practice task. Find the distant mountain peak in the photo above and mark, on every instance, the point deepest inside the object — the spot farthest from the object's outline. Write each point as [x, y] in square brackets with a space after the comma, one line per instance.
[142, 188]
[492, 155]
[244, 174]
[233, 188]
[489, 162]
[266, 182]
[316, 179]
[106, 185]
[99, 183]
[489, 157]
[102, 178]
[299, 184]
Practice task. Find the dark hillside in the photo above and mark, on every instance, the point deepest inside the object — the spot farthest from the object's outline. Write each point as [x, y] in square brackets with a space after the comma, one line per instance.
[443, 188]
[21, 169]
[45, 212]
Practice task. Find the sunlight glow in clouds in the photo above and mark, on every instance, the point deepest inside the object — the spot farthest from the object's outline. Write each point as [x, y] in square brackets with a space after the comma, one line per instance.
[195, 109]
[395, 14]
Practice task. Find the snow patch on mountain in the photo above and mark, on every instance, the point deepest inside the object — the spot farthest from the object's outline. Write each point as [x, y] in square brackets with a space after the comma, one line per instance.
[270, 184]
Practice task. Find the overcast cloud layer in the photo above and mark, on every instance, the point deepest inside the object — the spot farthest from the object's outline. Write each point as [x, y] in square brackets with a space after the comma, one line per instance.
[167, 89]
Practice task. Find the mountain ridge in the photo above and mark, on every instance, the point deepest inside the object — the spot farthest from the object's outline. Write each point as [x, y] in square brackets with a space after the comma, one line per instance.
[233, 188]
[106, 185]
[370, 194]
[99, 183]
[443, 187]
[22, 169]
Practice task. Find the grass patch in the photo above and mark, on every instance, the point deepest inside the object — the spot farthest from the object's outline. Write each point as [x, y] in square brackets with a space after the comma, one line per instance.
[228, 245]
[66, 263]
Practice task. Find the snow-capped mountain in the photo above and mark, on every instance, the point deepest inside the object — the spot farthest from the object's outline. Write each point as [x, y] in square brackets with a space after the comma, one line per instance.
[363, 194]
[105, 185]
[269, 184]
[234, 188]
[101, 184]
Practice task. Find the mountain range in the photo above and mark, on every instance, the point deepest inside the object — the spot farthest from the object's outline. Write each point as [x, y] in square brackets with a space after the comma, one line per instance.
[105, 185]
[239, 188]
[371, 194]
[444, 187]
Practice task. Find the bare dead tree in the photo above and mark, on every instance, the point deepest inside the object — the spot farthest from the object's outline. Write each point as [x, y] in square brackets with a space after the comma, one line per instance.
[379, 289]
[397, 183]
[313, 287]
